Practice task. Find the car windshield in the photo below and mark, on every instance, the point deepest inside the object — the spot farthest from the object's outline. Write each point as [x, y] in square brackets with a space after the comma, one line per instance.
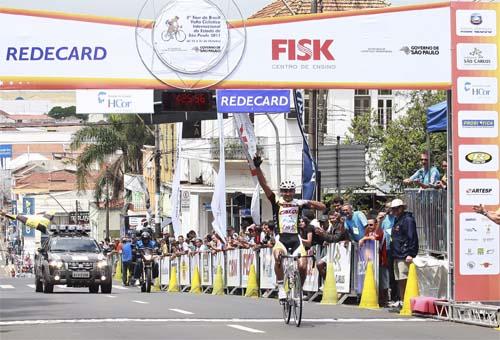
[74, 245]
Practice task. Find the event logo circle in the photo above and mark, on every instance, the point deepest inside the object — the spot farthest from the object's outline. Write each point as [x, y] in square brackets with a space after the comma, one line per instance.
[191, 44]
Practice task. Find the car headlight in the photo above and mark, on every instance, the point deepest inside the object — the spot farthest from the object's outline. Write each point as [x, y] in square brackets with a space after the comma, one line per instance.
[148, 257]
[56, 264]
[102, 264]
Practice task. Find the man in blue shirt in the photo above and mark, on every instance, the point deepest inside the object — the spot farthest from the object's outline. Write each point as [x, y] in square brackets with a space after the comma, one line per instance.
[126, 261]
[425, 177]
[354, 222]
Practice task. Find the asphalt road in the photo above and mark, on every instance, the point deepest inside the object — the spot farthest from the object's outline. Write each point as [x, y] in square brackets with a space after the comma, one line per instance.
[73, 313]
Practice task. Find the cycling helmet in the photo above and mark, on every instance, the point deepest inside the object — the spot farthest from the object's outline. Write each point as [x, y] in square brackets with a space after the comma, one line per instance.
[287, 185]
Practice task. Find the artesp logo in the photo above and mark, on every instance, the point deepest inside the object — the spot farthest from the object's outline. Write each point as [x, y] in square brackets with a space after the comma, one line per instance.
[302, 50]
[478, 157]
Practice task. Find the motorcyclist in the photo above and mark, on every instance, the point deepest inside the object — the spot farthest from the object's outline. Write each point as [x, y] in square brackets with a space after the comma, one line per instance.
[144, 242]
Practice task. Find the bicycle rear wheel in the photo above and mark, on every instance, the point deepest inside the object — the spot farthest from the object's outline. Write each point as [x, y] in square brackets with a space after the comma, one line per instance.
[287, 307]
[297, 299]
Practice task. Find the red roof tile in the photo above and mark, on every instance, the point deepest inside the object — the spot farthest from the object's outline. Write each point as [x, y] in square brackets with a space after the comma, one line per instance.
[279, 8]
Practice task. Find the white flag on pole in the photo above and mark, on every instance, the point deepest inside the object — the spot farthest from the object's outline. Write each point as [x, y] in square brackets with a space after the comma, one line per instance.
[175, 199]
[218, 204]
[255, 206]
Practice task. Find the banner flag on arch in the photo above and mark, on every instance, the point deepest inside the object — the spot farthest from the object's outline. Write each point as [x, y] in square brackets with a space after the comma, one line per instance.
[308, 164]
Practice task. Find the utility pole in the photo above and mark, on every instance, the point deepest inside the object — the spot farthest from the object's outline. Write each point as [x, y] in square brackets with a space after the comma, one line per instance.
[107, 203]
[314, 121]
[157, 180]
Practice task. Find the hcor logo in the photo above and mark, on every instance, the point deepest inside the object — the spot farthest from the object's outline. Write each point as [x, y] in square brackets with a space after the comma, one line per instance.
[101, 97]
[303, 49]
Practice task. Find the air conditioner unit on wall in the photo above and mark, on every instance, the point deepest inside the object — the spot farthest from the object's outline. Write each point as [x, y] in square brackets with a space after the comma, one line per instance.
[292, 114]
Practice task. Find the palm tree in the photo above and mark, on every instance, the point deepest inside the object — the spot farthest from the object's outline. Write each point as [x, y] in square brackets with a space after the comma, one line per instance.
[125, 133]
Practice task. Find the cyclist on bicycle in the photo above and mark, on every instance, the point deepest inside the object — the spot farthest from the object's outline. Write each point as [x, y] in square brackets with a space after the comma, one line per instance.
[173, 25]
[286, 211]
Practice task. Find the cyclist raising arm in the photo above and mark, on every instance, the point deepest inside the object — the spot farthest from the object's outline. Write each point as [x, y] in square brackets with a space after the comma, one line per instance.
[286, 211]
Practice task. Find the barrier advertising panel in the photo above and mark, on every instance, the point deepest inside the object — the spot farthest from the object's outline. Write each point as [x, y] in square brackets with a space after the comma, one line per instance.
[367, 252]
[267, 275]
[248, 257]
[219, 260]
[206, 269]
[185, 279]
[194, 263]
[164, 271]
[475, 140]
[311, 284]
[340, 254]
[233, 268]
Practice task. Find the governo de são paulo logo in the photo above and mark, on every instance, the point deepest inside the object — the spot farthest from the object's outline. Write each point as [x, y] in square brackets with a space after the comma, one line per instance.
[190, 44]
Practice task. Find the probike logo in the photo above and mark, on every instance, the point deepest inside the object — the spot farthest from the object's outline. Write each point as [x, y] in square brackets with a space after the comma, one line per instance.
[302, 50]
[478, 157]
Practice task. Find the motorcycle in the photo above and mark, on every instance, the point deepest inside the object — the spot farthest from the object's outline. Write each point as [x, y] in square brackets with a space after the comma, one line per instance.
[146, 279]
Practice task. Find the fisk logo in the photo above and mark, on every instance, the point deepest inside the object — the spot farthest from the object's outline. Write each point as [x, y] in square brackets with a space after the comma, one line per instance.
[303, 49]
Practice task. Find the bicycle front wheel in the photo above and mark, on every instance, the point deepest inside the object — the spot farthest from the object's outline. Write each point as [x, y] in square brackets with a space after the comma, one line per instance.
[297, 299]
[180, 36]
[287, 307]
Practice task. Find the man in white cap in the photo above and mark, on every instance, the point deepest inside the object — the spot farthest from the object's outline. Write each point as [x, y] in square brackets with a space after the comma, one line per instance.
[404, 243]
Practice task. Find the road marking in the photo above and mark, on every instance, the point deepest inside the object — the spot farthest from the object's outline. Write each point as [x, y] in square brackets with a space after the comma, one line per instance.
[180, 311]
[59, 321]
[246, 329]
[31, 286]
[141, 302]
[119, 287]
[7, 286]
[111, 296]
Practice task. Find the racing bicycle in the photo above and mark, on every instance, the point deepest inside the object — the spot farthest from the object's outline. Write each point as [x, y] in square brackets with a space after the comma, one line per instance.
[178, 34]
[293, 288]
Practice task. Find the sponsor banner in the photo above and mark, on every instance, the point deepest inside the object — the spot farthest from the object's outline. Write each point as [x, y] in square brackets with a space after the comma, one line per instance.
[206, 269]
[368, 252]
[248, 258]
[479, 157]
[184, 279]
[477, 90]
[164, 271]
[479, 191]
[476, 23]
[114, 101]
[66, 51]
[29, 205]
[479, 245]
[477, 124]
[194, 263]
[267, 275]
[233, 268]
[475, 75]
[340, 255]
[219, 260]
[6, 151]
[477, 56]
[311, 284]
[253, 101]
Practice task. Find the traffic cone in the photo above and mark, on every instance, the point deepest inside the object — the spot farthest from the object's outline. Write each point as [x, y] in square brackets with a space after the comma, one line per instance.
[252, 286]
[173, 286]
[369, 296]
[411, 290]
[218, 282]
[330, 287]
[156, 286]
[195, 282]
[118, 272]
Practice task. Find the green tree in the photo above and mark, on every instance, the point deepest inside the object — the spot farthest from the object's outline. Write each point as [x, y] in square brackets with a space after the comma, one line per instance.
[121, 141]
[397, 148]
[58, 112]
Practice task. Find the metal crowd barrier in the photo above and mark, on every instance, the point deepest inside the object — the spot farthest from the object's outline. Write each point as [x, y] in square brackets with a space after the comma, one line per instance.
[349, 262]
[429, 206]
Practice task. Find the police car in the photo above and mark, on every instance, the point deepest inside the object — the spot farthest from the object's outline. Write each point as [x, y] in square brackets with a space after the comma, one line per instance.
[70, 257]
